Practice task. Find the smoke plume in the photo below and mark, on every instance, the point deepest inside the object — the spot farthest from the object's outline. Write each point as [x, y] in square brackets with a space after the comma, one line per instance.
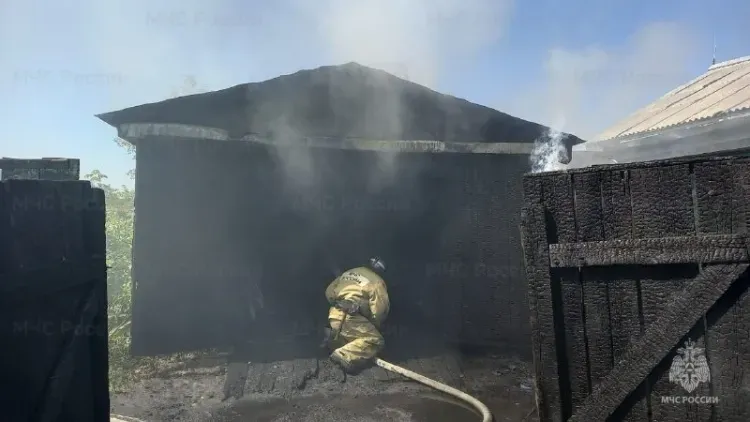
[138, 51]
[592, 88]
[546, 153]
[413, 40]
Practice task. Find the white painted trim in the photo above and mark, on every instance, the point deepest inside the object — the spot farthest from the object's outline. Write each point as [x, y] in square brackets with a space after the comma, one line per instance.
[402, 145]
[134, 132]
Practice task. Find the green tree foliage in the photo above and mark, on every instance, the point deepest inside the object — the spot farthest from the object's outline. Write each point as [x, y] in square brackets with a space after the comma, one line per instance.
[119, 227]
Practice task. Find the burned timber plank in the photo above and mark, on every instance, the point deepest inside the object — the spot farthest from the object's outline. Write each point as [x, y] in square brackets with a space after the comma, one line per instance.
[683, 311]
[559, 208]
[714, 187]
[588, 207]
[722, 195]
[667, 213]
[617, 212]
[739, 386]
[597, 360]
[560, 219]
[626, 325]
[624, 287]
[566, 288]
[734, 402]
[740, 196]
[575, 337]
[543, 334]
[707, 249]
[598, 324]
[658, 285]
[234, 385]
[662, 200]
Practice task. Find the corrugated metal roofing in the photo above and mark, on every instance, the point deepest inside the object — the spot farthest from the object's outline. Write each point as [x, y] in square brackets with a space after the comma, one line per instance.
[725, 88]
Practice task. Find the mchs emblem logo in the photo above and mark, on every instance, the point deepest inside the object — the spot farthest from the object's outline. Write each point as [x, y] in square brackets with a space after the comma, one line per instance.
[689, 367]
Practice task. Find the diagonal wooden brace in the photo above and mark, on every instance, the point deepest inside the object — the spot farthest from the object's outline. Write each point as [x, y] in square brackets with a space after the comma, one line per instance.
[660, 337]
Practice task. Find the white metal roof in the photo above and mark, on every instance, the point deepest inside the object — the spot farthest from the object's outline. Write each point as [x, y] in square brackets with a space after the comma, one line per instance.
[724, 88]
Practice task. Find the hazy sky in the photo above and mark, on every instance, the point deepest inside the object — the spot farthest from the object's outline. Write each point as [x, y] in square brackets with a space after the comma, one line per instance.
[579, 65]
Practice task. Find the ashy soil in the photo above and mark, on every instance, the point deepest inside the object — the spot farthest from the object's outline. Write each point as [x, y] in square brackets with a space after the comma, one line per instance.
[196, 394]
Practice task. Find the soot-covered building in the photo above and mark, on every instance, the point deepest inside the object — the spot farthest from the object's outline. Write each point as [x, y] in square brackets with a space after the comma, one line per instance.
[251, 199]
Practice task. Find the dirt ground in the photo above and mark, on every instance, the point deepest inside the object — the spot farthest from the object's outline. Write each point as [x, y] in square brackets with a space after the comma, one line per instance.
[196, 394]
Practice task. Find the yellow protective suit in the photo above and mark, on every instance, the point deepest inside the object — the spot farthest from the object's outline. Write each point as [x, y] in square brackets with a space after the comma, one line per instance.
[359, 339]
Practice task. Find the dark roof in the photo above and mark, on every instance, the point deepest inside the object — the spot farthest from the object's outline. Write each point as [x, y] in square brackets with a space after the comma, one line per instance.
[722, 91]
[347, 101]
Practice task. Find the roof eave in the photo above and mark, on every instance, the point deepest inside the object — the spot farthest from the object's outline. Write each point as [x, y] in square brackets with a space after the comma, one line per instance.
[677, 131]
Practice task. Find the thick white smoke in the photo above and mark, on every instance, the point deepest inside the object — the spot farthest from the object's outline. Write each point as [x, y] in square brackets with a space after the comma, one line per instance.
[593, 87]
[546, 153]
[414, 40]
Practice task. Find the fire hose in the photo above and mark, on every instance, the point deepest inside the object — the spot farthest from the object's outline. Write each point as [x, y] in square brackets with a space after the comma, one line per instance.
[121, 418]
[477, 405]
[480, 407]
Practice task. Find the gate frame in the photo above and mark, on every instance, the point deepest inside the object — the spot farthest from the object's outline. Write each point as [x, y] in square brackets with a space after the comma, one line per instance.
[723, 260]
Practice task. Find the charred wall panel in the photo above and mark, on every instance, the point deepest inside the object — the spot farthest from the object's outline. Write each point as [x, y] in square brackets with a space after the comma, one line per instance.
[195, 258]
[608, 332]
[53, 302]
[238, 241]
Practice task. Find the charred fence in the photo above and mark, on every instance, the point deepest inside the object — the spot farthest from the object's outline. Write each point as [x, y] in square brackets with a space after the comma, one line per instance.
[53, 359]
[40, 169]
[639, 292]
[235, 242]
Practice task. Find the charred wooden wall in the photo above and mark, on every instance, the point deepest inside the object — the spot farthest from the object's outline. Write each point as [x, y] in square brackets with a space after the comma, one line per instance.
[238, 242]
[587, 315]
[53, 302]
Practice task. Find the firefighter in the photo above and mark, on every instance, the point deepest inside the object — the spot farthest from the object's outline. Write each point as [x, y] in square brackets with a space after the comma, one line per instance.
[359, 306]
